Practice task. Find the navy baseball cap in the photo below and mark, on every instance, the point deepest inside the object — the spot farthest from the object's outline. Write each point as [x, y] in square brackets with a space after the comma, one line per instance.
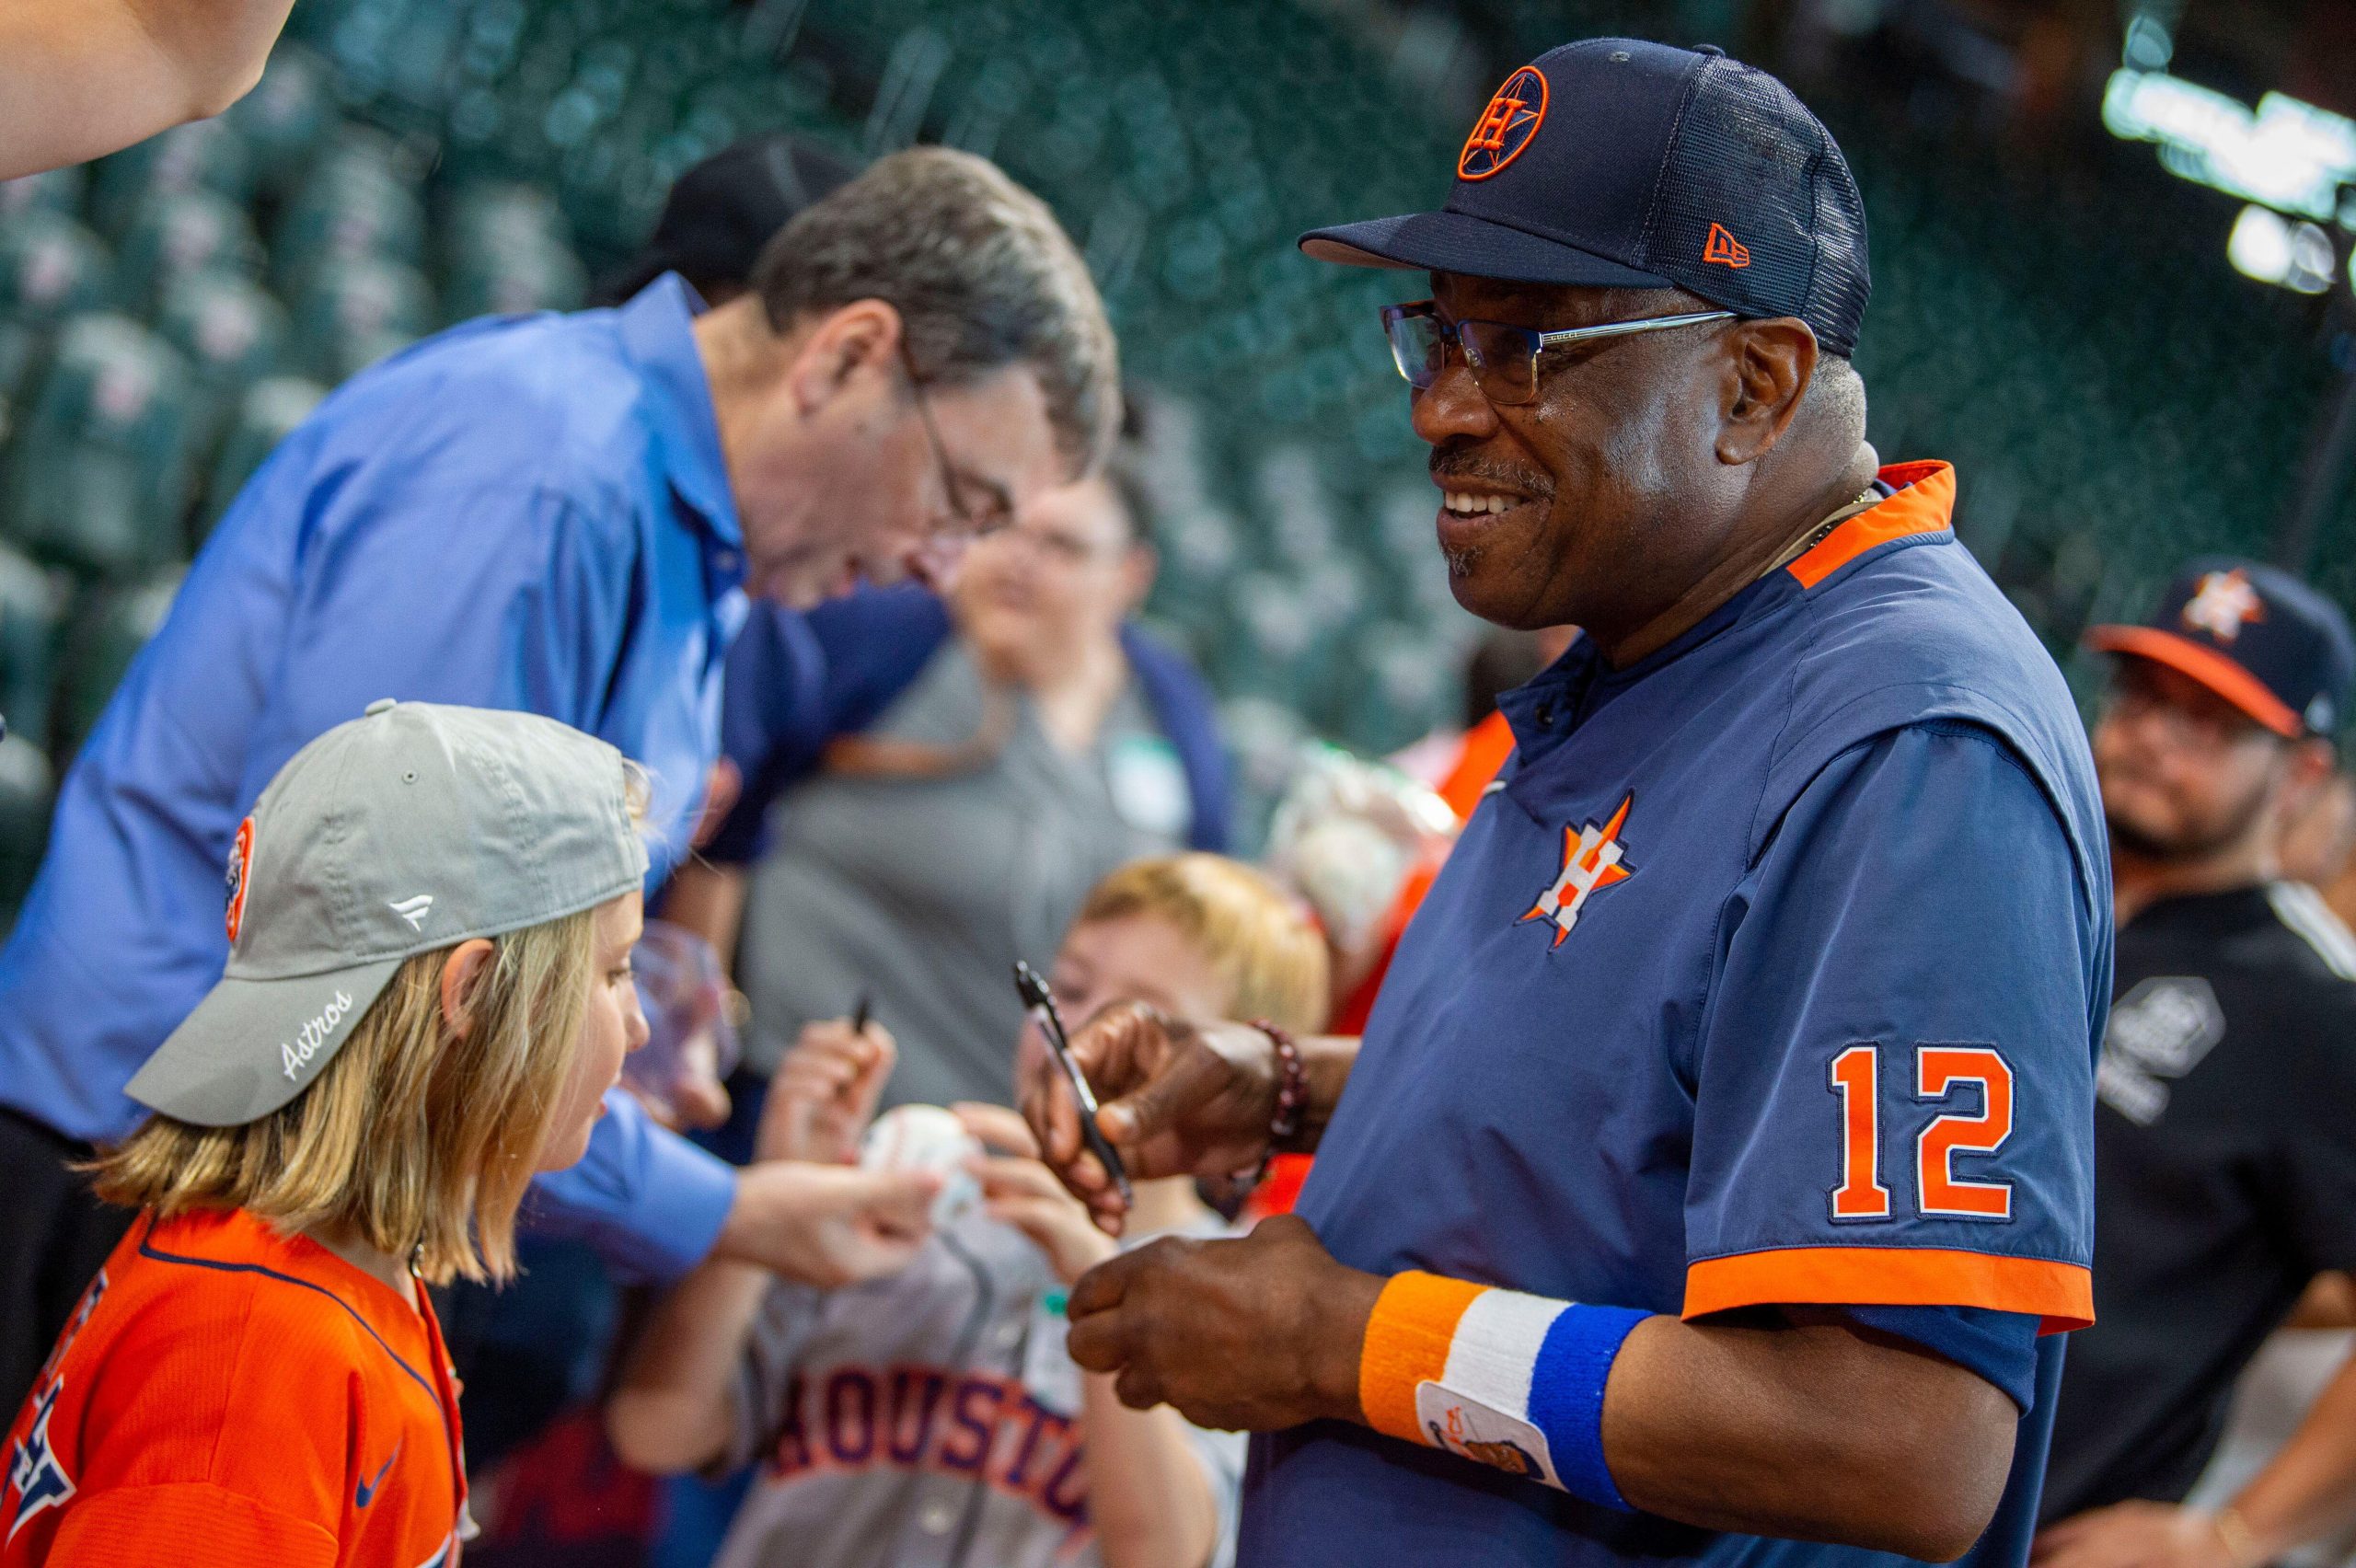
[2255, 636]
[1614, 163]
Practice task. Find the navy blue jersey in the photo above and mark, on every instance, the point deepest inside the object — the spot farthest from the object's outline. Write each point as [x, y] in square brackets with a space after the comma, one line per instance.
[1772, 974]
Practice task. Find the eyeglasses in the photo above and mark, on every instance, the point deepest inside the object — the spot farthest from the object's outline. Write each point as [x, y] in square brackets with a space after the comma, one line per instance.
[997, 509]
[1503, 358]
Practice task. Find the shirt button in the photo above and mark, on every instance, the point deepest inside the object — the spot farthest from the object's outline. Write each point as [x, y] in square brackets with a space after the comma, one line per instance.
[728, 561]
[1545, 715]
[1007, 1333]
[936, 1518]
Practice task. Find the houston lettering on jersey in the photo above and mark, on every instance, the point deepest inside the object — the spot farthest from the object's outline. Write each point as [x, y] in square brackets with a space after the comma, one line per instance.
[978, 1425]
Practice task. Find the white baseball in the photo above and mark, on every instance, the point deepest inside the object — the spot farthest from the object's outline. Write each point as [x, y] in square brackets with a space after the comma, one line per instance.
[926, 1138]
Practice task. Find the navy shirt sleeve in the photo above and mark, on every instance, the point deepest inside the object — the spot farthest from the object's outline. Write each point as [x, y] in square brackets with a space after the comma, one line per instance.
[1895, 1084]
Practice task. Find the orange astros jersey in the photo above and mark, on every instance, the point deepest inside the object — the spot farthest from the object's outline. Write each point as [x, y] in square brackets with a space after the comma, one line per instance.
[227, 1395]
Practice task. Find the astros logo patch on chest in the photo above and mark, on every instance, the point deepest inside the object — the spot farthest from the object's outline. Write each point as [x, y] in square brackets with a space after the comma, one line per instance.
[1593, 859]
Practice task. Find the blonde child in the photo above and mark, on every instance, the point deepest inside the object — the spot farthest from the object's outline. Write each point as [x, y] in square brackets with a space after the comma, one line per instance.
[934, 1417]
[431, 914]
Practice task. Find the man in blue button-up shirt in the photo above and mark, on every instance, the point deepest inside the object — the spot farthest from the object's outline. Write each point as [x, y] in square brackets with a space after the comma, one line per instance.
[563, 515]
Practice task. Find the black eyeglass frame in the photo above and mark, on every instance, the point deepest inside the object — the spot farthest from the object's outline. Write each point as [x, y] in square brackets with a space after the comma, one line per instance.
[1490, 377]
[952, 486]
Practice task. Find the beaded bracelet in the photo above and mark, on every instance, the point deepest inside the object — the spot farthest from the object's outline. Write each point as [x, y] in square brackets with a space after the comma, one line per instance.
[1293, 1093]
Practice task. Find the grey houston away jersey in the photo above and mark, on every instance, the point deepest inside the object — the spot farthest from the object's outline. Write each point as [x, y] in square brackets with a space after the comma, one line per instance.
[926, 1420]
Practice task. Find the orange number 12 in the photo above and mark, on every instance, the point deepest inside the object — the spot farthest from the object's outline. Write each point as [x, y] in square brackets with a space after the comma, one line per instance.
[1856, 1078]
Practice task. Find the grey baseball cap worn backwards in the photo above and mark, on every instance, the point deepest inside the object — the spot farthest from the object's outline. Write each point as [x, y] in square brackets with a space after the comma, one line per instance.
[403, 832]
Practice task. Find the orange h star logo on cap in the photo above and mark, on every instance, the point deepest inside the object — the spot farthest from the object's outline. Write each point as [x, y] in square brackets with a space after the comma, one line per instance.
[1592, 859]
[2223, 603]
[1505, 127]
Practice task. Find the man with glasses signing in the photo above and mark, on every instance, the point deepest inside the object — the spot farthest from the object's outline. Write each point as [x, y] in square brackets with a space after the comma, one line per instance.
[1715, 1164]
[563, 515]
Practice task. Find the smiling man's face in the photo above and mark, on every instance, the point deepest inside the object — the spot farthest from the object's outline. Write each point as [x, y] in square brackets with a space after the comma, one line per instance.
[1591, 505]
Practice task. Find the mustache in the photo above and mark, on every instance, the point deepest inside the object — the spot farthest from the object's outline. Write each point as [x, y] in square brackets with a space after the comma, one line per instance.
[1447, 467]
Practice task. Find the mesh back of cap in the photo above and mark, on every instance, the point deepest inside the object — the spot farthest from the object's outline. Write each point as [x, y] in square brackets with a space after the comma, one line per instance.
[1756, 210]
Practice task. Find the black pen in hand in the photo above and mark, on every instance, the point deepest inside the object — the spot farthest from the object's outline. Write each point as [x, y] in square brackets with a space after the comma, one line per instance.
[1041, 1003]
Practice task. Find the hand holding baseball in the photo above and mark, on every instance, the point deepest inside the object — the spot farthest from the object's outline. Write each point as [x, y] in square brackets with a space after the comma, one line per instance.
[1024, 1193]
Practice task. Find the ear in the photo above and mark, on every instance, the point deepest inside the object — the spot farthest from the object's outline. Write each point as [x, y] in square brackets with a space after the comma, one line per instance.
[460, 973]
[1138, 568]
[860, 339]
[1769, 366]
[2312, 761]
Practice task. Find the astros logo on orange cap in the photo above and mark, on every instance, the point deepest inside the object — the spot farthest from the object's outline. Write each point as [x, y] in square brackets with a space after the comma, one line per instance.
[1514, 114]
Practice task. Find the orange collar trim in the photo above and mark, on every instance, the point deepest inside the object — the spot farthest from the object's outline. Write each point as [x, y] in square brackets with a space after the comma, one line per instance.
[1925, 504]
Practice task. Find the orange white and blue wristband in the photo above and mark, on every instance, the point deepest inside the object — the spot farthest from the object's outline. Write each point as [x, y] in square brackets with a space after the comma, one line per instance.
[1508, 1379]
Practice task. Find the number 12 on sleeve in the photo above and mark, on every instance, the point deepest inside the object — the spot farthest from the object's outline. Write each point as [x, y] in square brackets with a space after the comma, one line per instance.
[1939, 1070]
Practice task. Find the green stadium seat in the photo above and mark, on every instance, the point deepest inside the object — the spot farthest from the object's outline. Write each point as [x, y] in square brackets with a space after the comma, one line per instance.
[30, 600]
[232, 333]
[26, 791]
[51, 266]
[356, 201]
[203, 155]
[515, 278]
[265, 415]
[98, 476]
[287, 117]
[230, 329]
[107, 631]
[177, 232]
[354, 314]
[55, 190]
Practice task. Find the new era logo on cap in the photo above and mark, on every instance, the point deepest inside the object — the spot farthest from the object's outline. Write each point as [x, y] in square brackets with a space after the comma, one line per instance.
[1724, 248]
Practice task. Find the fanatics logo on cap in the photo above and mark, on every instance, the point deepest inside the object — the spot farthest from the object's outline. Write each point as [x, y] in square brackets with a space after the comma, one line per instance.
[1592, 859]
[1724, 248]
[1504, 128]
[241, 859]
[2223, 604]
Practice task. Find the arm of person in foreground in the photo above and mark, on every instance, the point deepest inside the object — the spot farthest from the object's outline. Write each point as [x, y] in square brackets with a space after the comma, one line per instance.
[673, 1409]
[2306, 1493]
[1817, 1429]
[1796, 1417]
[1149, 1502]
[81, 78]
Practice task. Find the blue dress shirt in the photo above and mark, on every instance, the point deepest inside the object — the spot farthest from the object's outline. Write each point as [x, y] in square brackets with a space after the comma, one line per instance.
[527, 512]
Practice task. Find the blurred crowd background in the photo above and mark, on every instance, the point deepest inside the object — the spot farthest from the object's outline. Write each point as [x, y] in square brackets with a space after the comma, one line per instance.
[2135, 346]
[2055, 312]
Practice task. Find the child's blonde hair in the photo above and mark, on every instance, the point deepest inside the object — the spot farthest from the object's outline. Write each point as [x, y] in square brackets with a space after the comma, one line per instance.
[413, 1136]
[1258, 939]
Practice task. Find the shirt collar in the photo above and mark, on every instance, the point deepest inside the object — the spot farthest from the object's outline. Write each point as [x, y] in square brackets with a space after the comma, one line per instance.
[1920, 502]
[658, 336]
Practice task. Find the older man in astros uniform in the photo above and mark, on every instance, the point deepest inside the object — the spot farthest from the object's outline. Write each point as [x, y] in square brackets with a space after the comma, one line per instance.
[1717, 1162]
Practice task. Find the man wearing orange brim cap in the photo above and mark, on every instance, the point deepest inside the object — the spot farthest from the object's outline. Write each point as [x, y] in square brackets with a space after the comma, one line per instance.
[2224, 1168]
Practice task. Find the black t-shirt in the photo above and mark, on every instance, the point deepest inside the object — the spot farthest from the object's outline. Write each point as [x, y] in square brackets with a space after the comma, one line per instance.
[2224, 1178]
